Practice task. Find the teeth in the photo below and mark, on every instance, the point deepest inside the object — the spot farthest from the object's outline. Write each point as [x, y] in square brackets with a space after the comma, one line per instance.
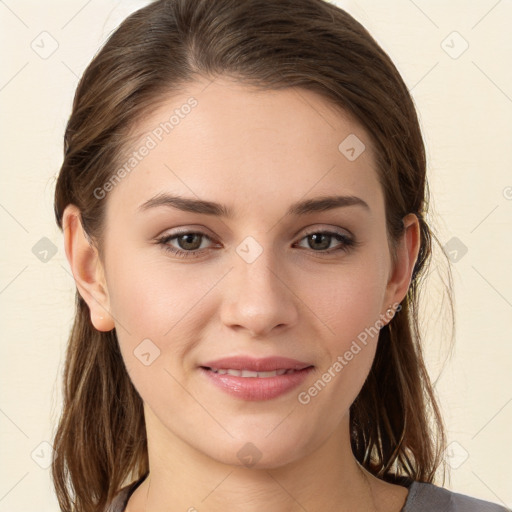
[250, 373]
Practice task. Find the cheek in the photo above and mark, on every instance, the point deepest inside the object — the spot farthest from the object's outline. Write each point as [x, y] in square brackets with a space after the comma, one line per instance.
[153, 307]
[347, 300]
[151, 297]
[159, 310]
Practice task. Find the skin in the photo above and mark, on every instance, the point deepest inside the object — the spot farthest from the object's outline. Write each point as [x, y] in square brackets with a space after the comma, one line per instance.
[257, 152]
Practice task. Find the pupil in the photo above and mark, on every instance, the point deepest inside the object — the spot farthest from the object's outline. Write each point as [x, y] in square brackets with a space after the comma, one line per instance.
[315, 238]
[188, 239]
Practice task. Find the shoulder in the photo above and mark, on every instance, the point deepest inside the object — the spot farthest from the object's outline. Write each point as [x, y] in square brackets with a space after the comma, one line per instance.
[118, 504]
[422, 497]
[425, 497]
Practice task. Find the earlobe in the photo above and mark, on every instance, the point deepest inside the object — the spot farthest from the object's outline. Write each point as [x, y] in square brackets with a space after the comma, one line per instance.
[87, 269]
[406, 255]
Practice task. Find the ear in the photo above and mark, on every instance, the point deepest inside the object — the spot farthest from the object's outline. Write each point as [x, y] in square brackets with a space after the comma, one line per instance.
[87, 269]
[406, 255]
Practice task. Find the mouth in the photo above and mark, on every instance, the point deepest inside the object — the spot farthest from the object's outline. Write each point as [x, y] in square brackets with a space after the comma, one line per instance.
[250, 373]
[253, 364]
[256, 379]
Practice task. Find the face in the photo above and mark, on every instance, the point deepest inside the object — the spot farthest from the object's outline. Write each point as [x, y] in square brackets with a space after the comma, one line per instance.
[262, 275]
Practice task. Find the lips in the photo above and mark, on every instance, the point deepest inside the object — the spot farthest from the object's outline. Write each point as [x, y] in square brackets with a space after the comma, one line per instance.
[266, 364]
[250, 373]
[248, 378]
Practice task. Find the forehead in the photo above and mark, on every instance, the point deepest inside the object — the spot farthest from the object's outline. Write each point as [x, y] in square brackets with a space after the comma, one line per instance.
[230, 142]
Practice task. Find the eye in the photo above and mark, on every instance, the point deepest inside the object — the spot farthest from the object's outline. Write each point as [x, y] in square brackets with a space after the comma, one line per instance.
[320, 241]
[191, 244]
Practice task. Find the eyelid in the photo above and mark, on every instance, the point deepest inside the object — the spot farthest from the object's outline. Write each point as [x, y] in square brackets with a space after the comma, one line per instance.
[316, 228]
[308, 230]
[172, 233]
[347, 243]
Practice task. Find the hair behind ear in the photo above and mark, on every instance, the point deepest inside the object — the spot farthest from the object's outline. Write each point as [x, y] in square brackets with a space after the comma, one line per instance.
[388, 416]
[102, 412]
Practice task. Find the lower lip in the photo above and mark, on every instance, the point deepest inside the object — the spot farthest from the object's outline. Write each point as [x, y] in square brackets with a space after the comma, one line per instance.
[257, 388]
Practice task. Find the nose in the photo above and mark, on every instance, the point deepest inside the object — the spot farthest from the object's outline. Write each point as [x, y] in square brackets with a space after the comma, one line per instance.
[259, 297]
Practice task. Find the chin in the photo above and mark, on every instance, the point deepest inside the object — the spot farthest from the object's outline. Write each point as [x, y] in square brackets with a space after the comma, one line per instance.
[259, 449]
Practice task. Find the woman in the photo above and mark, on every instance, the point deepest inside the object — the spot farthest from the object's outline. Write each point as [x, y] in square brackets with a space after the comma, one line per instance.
[243, 200]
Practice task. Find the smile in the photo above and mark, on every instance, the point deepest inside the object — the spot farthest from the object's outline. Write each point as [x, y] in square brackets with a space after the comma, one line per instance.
[250, 373]
[254, 385]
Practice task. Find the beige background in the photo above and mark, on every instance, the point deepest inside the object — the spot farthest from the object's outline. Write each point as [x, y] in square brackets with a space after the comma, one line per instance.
[464, 100]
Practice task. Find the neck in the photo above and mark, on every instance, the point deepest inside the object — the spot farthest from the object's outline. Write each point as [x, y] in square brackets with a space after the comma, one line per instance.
[327, 479]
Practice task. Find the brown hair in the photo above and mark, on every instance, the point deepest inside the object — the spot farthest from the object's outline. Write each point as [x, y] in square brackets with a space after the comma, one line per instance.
[397, 431]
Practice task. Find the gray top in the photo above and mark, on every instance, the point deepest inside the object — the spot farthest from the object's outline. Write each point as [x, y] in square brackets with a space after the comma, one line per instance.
[422, 497]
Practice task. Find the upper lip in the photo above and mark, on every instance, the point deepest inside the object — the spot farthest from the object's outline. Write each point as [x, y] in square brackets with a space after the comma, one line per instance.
[265, 364]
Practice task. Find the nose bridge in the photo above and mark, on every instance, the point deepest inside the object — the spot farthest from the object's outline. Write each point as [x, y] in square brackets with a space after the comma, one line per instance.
[256, 269]
[259, 299]
[259, 275]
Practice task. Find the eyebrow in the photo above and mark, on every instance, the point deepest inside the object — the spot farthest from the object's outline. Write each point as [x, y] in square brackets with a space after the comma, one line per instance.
[211, 208]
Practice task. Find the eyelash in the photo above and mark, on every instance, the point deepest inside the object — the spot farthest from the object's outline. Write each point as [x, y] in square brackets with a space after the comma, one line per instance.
[347, 243]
